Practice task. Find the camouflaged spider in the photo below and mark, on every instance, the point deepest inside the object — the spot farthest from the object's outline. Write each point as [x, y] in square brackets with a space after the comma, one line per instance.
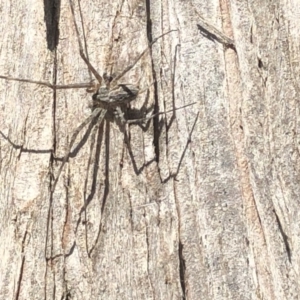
[108, 96]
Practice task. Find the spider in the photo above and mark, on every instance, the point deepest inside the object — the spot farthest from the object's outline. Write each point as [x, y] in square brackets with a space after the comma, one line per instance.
[108, 96]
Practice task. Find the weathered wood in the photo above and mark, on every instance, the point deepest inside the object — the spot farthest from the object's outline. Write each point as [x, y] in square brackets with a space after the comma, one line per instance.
[199, 204]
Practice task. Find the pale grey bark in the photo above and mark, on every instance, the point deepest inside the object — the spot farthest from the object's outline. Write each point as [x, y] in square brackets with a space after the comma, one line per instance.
[200, 204]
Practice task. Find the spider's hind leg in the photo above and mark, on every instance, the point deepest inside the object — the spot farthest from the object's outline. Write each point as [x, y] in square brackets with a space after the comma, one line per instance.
[81, 51]
[97, 113]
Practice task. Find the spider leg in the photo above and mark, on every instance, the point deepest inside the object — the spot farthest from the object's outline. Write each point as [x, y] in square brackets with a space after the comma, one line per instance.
[48, 84]
[89, 86]
[94, 114]
[157, 114]
[139, 57]
[83, 56]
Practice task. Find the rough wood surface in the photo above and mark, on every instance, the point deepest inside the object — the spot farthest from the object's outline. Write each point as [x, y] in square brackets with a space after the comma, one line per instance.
[201, 203]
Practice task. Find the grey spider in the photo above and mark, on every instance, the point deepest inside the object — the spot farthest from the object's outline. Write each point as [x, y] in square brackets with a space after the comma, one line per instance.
[108, 96]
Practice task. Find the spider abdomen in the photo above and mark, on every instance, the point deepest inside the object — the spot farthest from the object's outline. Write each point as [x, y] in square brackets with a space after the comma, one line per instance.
[121, 94]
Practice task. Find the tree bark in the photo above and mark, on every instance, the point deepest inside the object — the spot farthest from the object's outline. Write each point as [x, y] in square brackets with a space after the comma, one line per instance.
[197, 203]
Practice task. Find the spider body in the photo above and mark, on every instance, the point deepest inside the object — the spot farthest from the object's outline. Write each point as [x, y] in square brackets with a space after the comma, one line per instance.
[120, 95]
[115, 101]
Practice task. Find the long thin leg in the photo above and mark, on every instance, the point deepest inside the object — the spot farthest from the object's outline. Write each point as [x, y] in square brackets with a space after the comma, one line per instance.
[49, 85]
[140, 56]
[84, 37]
[66, 86]
[73, 138]
[91, 68]
[160, 113]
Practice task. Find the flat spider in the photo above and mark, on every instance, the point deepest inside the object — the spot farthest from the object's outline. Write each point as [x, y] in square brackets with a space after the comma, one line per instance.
[109, 97]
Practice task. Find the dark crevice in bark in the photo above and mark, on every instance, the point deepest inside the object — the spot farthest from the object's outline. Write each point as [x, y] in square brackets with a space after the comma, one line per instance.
[182, 269]
[51, 18]
[22, 267]
[49, 229]
[54, 107]
[284, 237]
[54, 96]
[156, 125]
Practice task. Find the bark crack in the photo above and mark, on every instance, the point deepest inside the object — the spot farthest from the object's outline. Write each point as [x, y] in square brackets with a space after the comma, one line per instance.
[284, 237]
[182, 268]
[22, 266]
